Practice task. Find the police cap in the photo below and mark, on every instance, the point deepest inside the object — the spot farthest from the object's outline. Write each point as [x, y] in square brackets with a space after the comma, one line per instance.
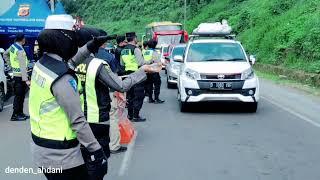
[131, 34]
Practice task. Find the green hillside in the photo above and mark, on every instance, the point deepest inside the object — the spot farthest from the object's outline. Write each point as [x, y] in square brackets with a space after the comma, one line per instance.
[281, 32]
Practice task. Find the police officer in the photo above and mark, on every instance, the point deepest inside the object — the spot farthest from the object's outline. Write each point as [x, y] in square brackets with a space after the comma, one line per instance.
[58, 124]
[132, 59]
[96, 78]
[153, 83]
[121, 43]
[17, 58]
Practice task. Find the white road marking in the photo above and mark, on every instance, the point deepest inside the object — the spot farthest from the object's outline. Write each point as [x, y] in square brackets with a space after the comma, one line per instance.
[10, 105]
[128, 156]
[7, 106]
[292, 112]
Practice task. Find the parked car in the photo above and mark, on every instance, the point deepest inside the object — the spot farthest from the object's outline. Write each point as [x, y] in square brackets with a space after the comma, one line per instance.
[165, 52]
[173, 68]
[216, 68]
[3, 81]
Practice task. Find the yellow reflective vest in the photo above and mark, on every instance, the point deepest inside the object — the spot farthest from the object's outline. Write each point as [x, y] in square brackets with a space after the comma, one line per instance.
[129, 60]
[87, 73]
[14, 48]
[49, 122]
[147, 54]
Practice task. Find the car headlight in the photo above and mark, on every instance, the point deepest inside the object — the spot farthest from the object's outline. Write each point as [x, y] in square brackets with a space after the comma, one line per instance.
[248, 74]
[189, 73]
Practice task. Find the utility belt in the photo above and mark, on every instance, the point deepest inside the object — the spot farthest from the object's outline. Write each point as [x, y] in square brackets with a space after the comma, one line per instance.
[55, 144]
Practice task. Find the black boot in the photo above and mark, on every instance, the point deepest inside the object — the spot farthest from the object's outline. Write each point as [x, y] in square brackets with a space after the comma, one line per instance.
[136, 117]
[26, 116]
[130, 113]
[151, 100]
[159, 101]
[18, 117]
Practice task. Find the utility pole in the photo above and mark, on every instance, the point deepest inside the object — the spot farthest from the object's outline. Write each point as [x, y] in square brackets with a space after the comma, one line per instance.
[185, 15]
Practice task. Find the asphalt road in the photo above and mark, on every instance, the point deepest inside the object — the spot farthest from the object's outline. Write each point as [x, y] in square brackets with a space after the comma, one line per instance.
[216, 141]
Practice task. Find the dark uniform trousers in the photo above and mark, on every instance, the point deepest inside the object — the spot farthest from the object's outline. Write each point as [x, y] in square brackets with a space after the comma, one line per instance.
[77, 173]
[135, 97]
[153, 83]
[20, 89]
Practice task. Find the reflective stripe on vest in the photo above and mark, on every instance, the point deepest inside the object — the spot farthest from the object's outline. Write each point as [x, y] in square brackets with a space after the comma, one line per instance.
[129, 60]
[14, 62]
[91, 95]
[88, 95]
[148, 55]
[48, 120]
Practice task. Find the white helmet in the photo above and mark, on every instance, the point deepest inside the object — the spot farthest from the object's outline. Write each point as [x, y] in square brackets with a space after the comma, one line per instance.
[63, 21]
[1, 50]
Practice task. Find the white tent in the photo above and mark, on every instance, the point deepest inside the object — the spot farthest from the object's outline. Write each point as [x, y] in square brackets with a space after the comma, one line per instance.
[5, 5]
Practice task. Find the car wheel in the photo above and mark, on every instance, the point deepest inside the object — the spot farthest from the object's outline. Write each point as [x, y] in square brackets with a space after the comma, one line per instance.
[252, 107]
[183, 106]
[170, 86]
[2, 97]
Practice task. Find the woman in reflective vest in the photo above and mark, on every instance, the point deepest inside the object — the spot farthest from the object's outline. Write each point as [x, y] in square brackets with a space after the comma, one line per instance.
[57, 121]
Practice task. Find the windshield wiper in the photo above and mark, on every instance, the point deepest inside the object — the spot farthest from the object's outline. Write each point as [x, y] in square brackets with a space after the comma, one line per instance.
[214, 60]
[235, 59]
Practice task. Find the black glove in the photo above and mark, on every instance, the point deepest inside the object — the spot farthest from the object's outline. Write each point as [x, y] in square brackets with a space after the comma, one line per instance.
[96, 42]
[96, 163]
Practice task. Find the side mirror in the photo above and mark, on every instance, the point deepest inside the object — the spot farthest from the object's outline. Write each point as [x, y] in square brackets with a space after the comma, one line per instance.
[252, 59]
[178, 58]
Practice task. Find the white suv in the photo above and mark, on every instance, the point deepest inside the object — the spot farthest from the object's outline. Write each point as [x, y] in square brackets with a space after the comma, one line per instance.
[217, 69]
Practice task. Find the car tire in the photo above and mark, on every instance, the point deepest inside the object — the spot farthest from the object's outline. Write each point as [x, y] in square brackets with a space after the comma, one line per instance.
[170, 86]
[184, 107]
[2, 98]
[252, 107]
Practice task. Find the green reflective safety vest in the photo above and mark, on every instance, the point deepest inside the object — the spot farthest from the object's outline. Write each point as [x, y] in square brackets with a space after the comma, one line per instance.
[129, 60]
[48, 120]
[147, 54]
[87, 73]
[14, 48]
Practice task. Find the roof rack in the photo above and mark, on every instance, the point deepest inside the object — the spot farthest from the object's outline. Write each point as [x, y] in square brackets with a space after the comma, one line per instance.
[211, 36]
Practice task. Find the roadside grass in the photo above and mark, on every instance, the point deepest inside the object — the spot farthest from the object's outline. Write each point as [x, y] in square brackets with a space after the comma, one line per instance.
[282, 80]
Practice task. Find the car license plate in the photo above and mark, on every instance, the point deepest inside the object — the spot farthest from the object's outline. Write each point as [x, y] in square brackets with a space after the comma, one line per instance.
[221, 85]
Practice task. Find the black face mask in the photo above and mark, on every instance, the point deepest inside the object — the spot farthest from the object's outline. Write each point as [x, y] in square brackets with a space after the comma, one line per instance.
[71, 45]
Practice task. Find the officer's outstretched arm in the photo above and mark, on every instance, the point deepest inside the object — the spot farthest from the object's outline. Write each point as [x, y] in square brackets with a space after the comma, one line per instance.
[82, 54]
[65, 92]
[91, 47]
[112, 80]
[139, 57]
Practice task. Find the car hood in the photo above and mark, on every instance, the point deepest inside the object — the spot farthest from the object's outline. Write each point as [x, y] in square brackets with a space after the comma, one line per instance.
[218, 67]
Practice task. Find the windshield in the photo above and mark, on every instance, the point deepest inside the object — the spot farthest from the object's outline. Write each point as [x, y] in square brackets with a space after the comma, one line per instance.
[169, 39]
[178, 51]
[167, 28]
[215, 52]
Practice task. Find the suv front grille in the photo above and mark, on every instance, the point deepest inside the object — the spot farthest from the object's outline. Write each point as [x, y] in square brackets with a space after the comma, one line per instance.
[221, 76]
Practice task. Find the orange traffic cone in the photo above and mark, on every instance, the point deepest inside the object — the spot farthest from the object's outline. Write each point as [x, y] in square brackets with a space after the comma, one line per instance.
[126, 131]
